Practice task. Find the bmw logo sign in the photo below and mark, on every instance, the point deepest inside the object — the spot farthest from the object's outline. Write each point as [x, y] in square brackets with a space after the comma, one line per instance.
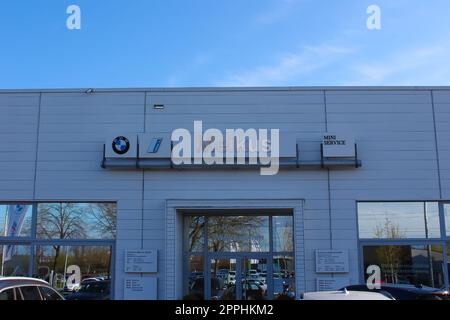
[121, 145]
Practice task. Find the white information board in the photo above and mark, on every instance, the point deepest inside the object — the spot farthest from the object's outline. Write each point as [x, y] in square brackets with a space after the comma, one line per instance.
[143, 288]
[331, 261]
[141, 261]
[330, 284]
[335, 145]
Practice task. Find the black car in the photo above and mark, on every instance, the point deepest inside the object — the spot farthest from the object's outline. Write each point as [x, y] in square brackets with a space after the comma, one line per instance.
[197, 287]
[405, 291]
[92, 290]
[251, 290]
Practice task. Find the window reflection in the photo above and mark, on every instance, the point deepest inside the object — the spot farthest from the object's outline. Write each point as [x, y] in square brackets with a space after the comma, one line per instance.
[238, 233]
[14, 260]
[447, 219]
[283, 276]
[195, 281]
[15, 220]
[223, 278]
[76, 221]
[254, 279]
[67, 268]
[195, 233]
[268, 270]
[407, 264]
[283, 238]
[72, 269]
[397, 220]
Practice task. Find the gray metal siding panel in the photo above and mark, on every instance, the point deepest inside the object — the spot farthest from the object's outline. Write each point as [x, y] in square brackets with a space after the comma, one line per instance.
[18, 128]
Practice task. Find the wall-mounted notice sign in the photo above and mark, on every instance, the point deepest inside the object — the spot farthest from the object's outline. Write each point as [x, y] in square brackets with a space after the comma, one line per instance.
[329, 284]
[141, 261]
[331, 261]
[335, 146]
[140, 288]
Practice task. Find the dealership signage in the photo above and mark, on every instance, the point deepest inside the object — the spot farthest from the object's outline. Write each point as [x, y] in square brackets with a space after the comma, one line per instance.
[336, 146]
[261, 147]
[266, 149]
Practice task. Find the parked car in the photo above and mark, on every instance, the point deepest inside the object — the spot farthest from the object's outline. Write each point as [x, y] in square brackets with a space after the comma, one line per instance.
[195, 275]
[405, 291]
[23, 288]
[344, 295]
[197, 287]
[251, 290]
[92, 290]
[260, 283]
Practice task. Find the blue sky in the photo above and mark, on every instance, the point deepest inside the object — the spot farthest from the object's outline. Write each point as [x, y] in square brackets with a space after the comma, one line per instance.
[174, 43]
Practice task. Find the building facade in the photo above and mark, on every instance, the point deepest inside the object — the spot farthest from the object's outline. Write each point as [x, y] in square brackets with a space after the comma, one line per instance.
[68, 212]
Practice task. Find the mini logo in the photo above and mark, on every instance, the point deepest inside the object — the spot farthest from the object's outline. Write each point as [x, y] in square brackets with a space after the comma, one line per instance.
[154, 145]
[121, 145]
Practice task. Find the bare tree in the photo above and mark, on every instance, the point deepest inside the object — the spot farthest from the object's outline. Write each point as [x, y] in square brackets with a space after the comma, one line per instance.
[197, 226]
[105, 217]
[240, 233]
[60, 221]
[390, 256]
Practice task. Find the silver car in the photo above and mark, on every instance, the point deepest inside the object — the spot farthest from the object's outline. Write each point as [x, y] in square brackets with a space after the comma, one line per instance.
[22, 288]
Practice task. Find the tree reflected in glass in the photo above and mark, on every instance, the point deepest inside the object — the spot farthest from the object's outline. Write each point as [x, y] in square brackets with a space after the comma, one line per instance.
[238, 233]
[76, 221]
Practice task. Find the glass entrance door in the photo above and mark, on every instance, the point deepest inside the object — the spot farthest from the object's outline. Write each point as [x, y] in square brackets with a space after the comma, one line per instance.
[240, 278]
[239, 256]
[256, 278]
[224, 278]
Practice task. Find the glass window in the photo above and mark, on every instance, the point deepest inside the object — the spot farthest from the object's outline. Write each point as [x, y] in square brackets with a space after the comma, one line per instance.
[447, 218]
[398, 220]
[14, 260]
[15, 220]
[283, 276]
[254, 279]
[7, 295]
[407, 264]
[66, 267]
[223, 274]
[196, 278]
[238, 233]
[30, 293]
[195, 233]
[448, 258]
[49, 294]
[76, 221]
[283, 233]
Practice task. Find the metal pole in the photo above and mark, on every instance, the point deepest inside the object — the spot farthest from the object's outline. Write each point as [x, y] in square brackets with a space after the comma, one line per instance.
[65, 269]
[430, 258]
[6, 234]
